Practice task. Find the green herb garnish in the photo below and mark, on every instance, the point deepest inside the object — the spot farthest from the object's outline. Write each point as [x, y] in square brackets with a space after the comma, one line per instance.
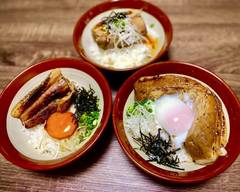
[89, 120]
[147, 104]
[87, 111]
[152, 25]
[158, 149]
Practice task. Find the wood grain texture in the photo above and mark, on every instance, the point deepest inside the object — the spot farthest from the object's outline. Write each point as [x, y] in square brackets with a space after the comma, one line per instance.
[206, 32]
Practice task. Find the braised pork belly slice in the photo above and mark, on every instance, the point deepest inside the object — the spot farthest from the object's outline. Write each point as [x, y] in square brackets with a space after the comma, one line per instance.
[31, 97]
[58, 105]
[54, 94]
[123, 22]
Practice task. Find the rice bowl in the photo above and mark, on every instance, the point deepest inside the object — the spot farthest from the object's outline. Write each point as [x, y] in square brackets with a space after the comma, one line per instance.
[140, 35]
[20, 145]
[36, 143]
[125, 99]
[127, 57]
[186, 163]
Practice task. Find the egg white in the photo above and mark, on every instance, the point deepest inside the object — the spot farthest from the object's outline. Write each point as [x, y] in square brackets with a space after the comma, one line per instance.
[162, 107]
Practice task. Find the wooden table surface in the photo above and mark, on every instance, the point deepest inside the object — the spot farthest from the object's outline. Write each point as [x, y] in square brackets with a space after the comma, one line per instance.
[206, 32]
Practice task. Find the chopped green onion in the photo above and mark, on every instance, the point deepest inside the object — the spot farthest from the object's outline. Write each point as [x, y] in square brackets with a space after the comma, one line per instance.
[87, 111]
[152, 25]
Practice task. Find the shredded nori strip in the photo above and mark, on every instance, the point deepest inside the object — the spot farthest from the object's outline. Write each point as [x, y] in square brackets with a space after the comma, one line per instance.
[85, 101]
[159, 150]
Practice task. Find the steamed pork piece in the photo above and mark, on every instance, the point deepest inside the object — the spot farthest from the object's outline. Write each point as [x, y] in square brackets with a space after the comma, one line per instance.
[55, 97]
[120, 29]
[207, 137]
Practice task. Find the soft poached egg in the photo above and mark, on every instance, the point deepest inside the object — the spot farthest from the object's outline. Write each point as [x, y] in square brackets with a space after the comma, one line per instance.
[175, 116]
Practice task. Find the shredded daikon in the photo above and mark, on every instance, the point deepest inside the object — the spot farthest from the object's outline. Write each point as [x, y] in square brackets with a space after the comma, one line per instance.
[123, 32]
[140, 116]
[44, 144]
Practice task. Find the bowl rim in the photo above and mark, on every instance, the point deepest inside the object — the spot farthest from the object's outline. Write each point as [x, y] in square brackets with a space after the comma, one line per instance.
[152, 9]
[169, 176]
[9, 151]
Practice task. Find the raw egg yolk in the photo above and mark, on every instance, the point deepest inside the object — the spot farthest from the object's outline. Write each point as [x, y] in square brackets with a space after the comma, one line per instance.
[61, 125]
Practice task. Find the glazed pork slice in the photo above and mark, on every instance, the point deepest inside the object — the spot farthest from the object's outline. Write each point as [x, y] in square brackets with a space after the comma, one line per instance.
[104, 37]
[56, 90]
[57, 105]
[54, 94]
[207, 137]
[31, 97]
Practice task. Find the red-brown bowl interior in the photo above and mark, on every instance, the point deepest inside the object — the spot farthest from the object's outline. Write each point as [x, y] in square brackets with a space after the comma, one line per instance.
[6, 97]
[135, 4]
[222, 89]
